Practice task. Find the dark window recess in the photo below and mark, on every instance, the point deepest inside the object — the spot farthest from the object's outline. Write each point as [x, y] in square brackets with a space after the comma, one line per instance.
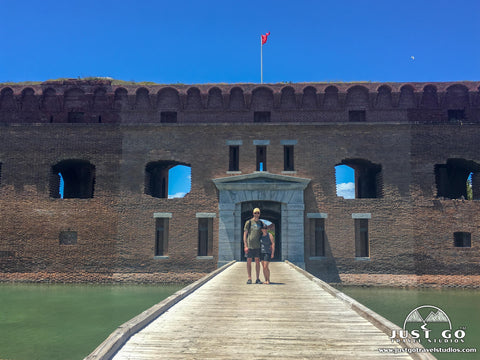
[234, 158]
[168, 117]
[368, 178]
[462, 239]
[455, 115]
[78, 178]
[205, 236]
[319, 237]
[68, 237]
[75, 117]
[288, 158]
[156, 179]
[161, 237]
[457, 179]
[261, 158]
[361, 238]
[357, 116]
[7, 254]
[261, 116]
[0, 173]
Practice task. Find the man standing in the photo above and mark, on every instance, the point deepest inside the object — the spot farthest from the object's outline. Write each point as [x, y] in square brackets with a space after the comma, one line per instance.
[251, 242]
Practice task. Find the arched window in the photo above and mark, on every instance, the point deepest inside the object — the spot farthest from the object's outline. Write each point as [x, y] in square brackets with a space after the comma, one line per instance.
[167, 179]
[407, 97]
[330, 100]
[309, 98]
[288, 100]
[120, 100]
[429, 97]
[237, 99]
[142, 100]
[72, 179]
[367, 176]
[215, 98]
[194, 99]
[458, 179]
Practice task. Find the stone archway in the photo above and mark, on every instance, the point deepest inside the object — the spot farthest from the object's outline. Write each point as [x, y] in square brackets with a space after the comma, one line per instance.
[271, 211]
[261, 186]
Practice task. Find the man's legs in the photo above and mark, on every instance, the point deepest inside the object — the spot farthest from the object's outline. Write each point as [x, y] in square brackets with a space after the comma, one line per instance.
[257, 268]
[249, 268]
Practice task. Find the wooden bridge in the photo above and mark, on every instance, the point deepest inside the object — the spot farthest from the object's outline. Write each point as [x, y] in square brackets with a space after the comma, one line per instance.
[221, 317]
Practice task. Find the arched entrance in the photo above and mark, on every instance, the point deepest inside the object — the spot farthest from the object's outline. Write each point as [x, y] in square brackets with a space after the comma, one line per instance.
[266, 190]
[270, 211]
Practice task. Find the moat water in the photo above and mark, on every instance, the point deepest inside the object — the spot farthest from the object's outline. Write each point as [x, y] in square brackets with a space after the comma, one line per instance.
[462, 306]
[63, 322]
[67, 322]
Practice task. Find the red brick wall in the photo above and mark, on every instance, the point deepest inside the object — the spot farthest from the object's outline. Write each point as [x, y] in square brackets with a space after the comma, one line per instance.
[410, 230]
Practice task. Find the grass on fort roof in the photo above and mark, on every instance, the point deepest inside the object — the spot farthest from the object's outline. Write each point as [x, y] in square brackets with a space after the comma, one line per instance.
[133, 82]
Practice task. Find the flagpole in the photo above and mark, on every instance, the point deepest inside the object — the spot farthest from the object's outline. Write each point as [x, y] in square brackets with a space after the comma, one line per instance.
[261, 60]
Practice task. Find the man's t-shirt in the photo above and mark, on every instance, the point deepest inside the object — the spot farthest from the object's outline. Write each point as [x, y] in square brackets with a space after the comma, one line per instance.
[254, 229]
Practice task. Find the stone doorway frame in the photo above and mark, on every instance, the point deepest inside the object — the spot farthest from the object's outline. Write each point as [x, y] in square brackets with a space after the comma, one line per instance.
[261, 186]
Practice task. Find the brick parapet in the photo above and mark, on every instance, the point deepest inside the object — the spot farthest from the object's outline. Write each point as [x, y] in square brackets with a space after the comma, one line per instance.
[101, 102]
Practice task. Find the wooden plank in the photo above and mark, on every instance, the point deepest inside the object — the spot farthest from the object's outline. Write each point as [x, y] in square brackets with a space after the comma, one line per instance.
[293, 318]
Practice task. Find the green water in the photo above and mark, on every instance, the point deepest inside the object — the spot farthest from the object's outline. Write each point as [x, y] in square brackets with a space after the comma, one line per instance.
[461, 305]
[62, 322]
[50, 322]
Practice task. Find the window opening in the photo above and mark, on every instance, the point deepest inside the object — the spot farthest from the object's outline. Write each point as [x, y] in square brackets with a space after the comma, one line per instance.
[357, 116]
[462, 239]
[470, 187]
[361, 238]
[319, 237]
[234, 158]
[168, 117]
[456, 115]
[261, 116]
[345, 181]
[61, 186]
[261, 158]
[68, 237]
[72, 179]
[359, 179]
[288, 164]
[167, 179]
[161, 236]
[205, 236]
[75, 117]
[457, 179]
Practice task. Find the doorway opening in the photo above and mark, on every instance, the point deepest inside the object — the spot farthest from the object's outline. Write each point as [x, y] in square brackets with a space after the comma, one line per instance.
[270, 212]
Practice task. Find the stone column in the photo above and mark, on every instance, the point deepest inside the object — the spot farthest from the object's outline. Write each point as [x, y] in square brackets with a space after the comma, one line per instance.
[227, 249]
[293, 238]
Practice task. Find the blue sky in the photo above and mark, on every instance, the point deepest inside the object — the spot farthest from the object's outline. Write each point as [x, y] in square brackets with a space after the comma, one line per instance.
[219, 41]
[194, 42]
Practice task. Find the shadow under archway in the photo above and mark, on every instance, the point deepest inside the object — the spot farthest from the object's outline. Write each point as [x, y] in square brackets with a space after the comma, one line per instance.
[270, 211]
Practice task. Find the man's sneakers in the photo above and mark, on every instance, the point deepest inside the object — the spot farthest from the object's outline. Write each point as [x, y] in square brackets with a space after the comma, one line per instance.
[249, 281]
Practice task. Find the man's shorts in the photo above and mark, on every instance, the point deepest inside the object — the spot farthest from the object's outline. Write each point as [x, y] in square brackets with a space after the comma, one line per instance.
[266, 257]
[253, 253]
